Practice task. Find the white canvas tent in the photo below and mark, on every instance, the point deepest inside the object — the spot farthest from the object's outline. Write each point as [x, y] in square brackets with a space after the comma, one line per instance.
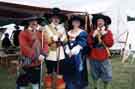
[75, 5]
[9, 29]
[116, 9]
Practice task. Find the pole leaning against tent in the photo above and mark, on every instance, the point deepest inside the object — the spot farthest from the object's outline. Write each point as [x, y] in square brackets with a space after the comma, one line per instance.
[124, 53]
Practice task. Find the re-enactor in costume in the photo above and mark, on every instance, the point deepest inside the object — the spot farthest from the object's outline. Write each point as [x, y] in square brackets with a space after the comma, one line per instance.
[100, 39]
[33, 47]
[56, 40]
[77, 41]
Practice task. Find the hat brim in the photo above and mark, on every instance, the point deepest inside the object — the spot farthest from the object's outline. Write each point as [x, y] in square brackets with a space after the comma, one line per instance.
[26, 21]
[62, 17]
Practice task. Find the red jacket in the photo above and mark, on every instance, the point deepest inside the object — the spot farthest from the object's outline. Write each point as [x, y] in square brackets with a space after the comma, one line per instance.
[26, 42]
[100, 53]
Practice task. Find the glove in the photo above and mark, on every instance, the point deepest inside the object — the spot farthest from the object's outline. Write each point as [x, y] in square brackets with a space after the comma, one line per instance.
[55, 38]
[76, 50]
[41, 58]
[67, 50]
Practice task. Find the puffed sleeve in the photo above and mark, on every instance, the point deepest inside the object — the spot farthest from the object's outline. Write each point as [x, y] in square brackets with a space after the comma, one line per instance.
[90, 40]
[45, 43]
[81, 43]
[24, 45]
[108, 39]
[82, 39]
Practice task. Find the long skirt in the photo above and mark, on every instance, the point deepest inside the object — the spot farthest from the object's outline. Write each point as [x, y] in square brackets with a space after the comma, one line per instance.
[75, 78]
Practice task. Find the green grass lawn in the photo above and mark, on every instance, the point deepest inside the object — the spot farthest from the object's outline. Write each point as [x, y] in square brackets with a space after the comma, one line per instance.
[123, 76]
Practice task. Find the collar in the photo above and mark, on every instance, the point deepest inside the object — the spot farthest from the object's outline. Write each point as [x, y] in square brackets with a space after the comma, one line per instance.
[53, 25]
[75, 34]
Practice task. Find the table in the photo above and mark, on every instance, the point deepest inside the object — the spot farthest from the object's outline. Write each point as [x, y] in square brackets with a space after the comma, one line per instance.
[5, 58]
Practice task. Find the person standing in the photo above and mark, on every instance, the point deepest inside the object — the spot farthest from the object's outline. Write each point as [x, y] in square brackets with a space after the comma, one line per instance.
[100, 39]
[15, 35]
[6, 43]
[33, 47]
[77, 41]
[56, 40]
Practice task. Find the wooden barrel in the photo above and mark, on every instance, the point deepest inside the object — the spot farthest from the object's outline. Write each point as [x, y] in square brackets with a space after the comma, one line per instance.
[48, 81]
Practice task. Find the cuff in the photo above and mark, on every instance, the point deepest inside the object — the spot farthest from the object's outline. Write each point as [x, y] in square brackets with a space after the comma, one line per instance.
[44, 54]
[55, 38]
[67, 49]
[103, 32]
[76, 50]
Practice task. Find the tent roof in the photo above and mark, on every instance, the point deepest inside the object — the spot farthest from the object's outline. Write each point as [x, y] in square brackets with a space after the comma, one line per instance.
[12, 10]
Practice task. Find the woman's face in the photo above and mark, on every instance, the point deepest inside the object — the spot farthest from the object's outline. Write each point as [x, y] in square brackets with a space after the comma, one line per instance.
[76, 24]
[100, 22]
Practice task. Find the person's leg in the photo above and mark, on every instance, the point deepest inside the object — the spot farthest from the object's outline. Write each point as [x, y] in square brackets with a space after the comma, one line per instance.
[95, 72]
[95, 84]
[22, 88]
[61, 67]
[106, 73]
[35, 86]
[22, 81]
[35, 77]
[106, 85]
[50, 66]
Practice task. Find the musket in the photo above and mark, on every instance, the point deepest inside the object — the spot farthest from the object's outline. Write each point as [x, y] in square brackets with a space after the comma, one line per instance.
[101, 41]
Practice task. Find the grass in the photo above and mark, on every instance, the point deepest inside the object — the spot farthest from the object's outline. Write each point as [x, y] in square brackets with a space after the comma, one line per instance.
[123, 76]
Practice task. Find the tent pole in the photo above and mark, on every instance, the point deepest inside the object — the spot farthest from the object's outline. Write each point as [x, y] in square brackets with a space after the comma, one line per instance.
[87, 61]
[123, 52]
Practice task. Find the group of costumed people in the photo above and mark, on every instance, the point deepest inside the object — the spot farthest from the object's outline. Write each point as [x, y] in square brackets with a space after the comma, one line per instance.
[65, 51]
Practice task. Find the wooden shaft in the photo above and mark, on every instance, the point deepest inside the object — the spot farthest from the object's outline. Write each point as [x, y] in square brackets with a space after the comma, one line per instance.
[100, 40]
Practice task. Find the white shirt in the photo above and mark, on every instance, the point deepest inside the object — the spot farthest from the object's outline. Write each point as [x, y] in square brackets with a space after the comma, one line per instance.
[53, 54]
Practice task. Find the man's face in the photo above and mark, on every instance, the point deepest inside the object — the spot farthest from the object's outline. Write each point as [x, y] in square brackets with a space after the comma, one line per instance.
[55, 20]
[33, 25]
[100, 22]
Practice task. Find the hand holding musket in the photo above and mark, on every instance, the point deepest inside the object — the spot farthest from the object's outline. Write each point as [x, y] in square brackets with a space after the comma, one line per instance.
[36, 41]
[100, 31]
[37, 45]
[99, 35]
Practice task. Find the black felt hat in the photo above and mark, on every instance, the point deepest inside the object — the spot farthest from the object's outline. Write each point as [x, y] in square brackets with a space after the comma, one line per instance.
[56, 13]
[107, 19]
[26, 21]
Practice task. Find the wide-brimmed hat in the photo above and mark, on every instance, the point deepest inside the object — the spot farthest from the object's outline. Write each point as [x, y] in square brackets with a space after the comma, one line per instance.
[26, 21]
[55, 13]
[107, 19]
